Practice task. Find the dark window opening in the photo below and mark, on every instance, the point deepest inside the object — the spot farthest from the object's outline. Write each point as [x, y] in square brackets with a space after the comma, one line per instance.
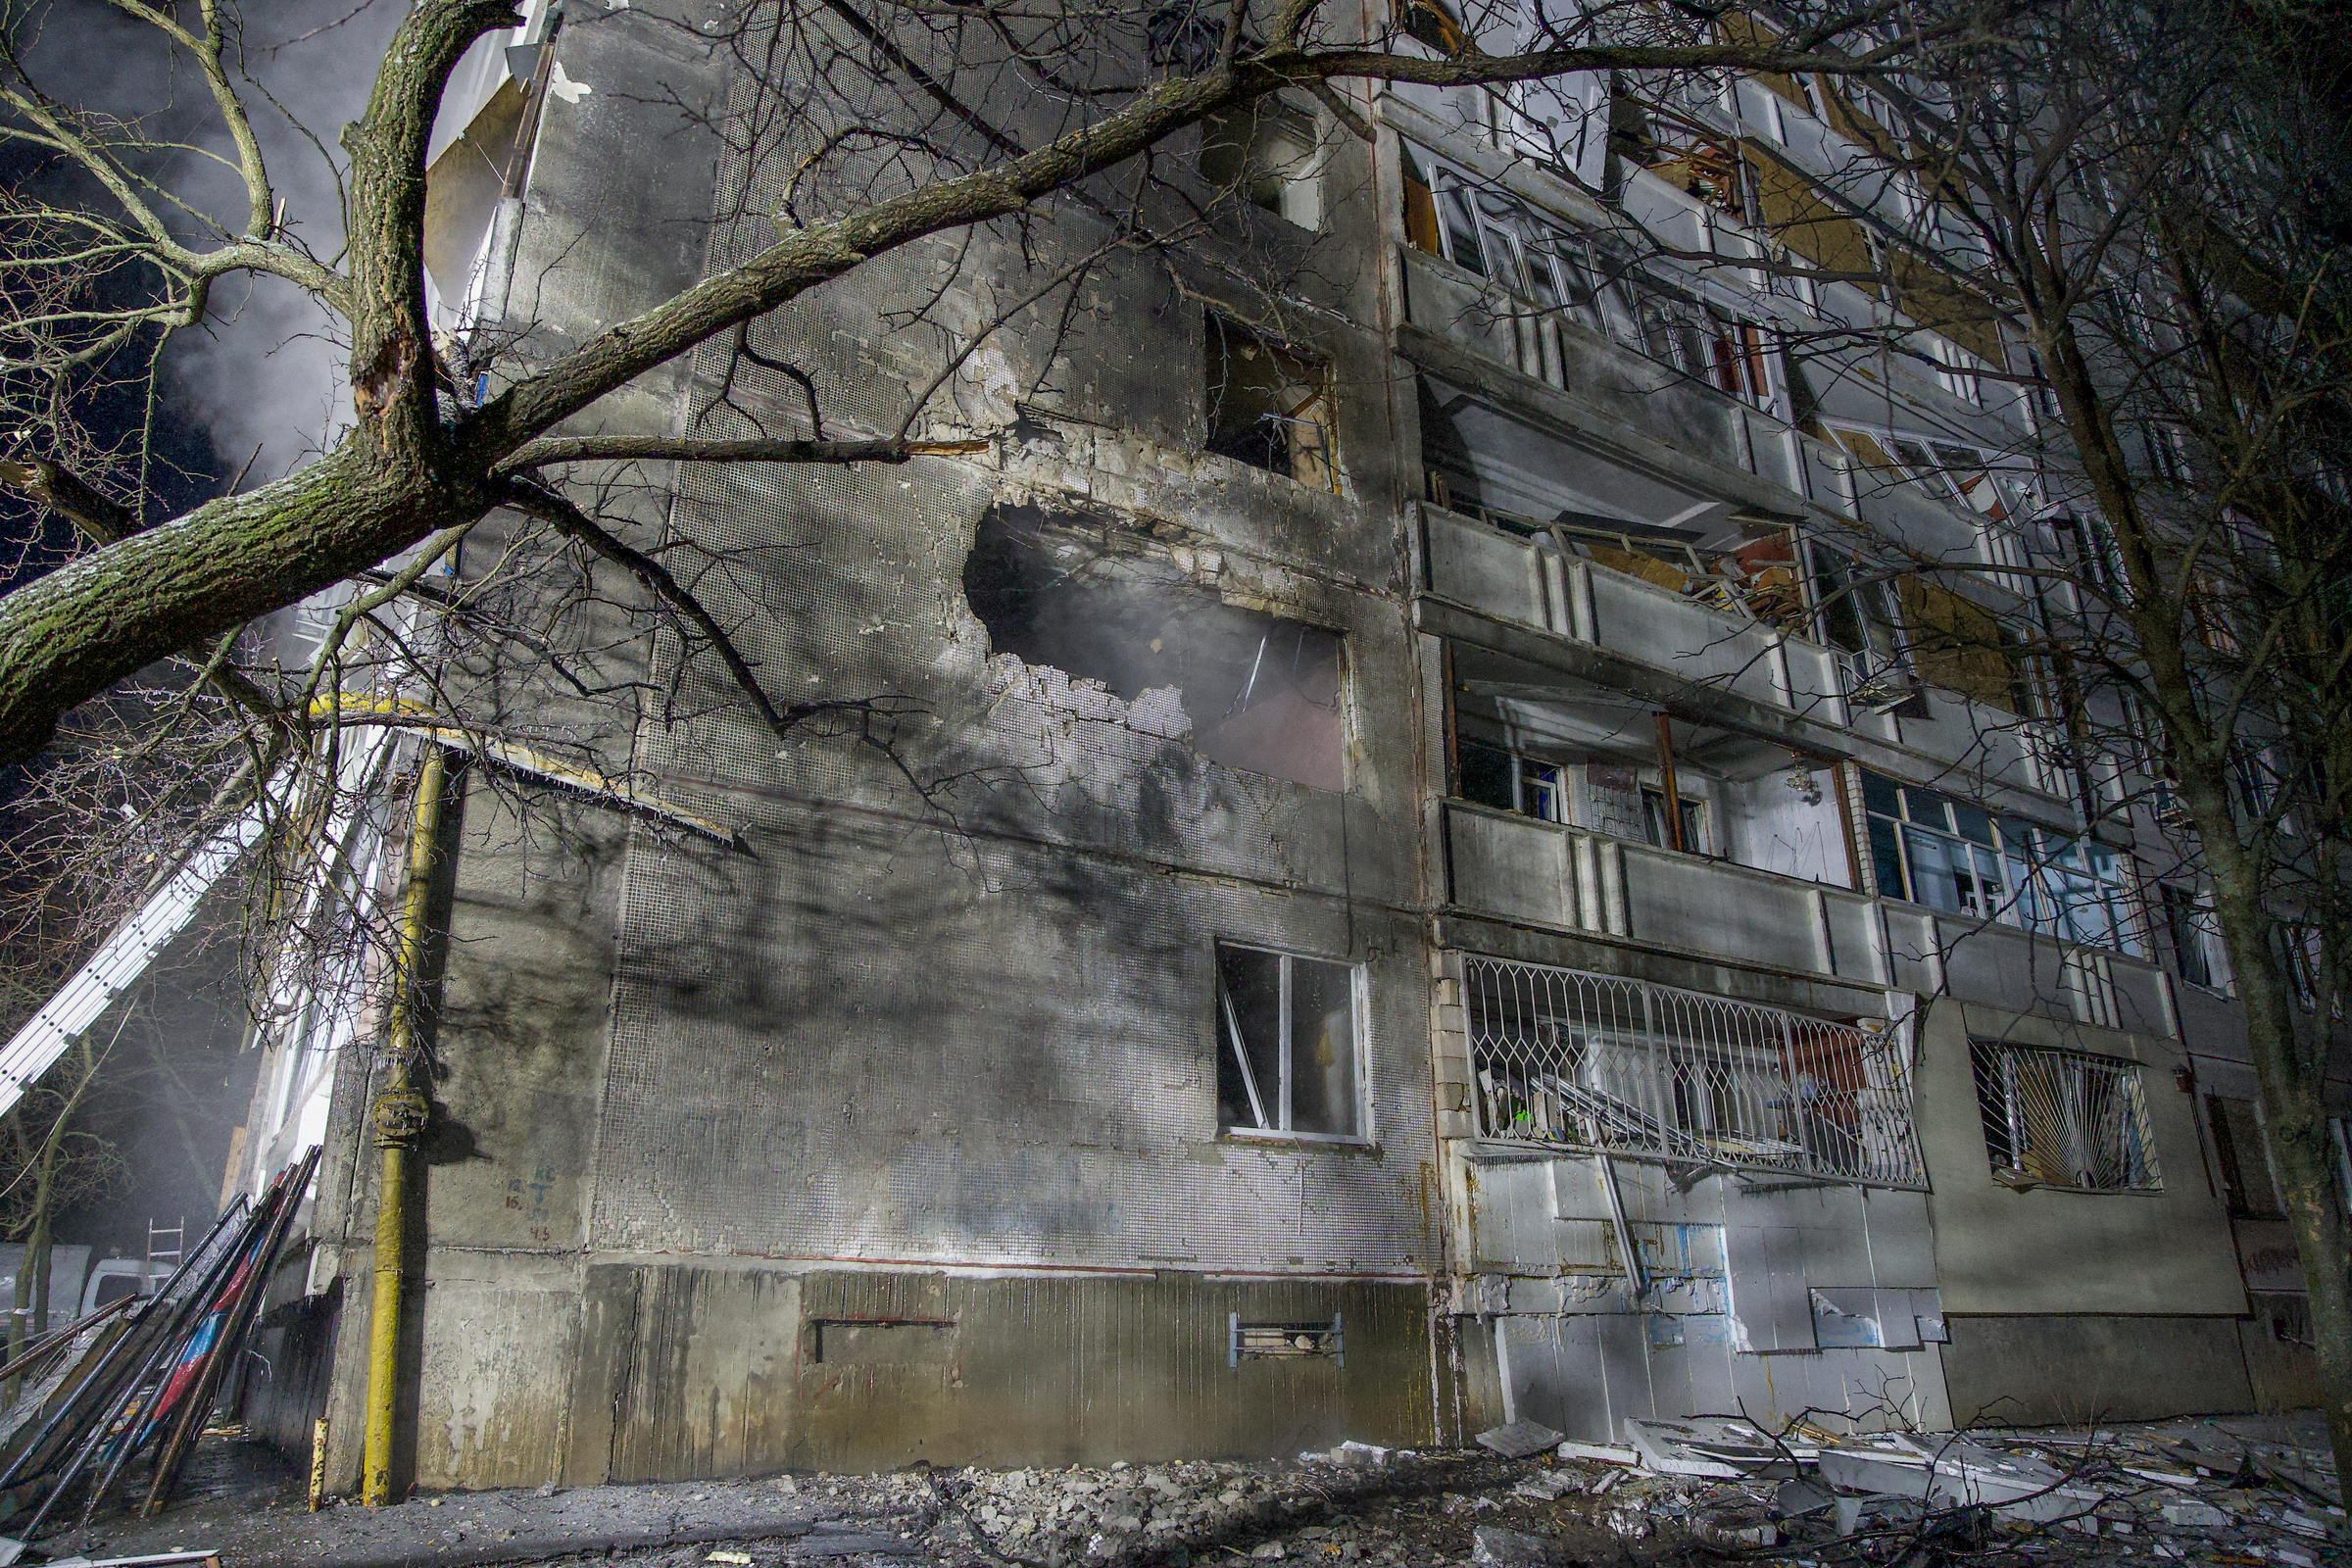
[1270, 405]
[2244, 1157]
[1258, 692]
[2190, 924]
[1429, 22]
[1284, 1341]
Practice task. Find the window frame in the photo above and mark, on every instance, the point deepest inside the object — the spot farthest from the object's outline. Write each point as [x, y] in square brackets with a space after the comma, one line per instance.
[1226, 1026]
[1523, 788]
[2188, 927]
[2037, 879]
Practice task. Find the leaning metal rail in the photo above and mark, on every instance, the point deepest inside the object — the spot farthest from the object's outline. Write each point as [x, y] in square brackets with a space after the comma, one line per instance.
[1589, 1061]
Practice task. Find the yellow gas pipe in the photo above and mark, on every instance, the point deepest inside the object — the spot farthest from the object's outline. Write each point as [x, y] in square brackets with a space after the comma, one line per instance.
[400, 1114]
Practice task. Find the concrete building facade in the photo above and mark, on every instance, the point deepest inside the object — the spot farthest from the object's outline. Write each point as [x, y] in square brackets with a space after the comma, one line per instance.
[1403, 896]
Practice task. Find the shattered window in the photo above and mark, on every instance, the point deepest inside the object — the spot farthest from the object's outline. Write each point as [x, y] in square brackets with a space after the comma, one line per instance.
[1270, 405]
[1254, 691]
[1287, 1045]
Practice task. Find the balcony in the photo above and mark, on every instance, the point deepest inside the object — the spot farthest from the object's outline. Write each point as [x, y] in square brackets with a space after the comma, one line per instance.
[1528, 872]
[1796, 688]
[1567, 1060]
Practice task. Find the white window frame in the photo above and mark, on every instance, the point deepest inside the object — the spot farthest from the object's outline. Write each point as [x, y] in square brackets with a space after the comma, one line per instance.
[1228, 1035]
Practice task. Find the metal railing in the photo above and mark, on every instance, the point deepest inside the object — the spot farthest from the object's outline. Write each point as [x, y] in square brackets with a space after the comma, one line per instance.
[1589, 1061]
[2063, 1118]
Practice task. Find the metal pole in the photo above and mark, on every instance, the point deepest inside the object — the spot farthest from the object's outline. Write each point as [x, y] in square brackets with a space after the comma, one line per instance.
[400, 1115]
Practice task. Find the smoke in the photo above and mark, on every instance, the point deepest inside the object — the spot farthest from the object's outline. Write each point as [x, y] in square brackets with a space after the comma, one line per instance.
[265, 370]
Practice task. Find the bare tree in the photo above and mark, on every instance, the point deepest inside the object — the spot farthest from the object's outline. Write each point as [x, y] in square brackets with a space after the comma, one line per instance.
[2141, 195]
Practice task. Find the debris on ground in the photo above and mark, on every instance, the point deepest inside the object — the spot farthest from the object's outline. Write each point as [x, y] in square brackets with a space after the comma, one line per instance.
[2184, 1493]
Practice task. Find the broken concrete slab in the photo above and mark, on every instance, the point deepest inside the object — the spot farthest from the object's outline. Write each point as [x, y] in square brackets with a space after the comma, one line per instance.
[1706, 1446]
[1956, 1472]
[1520, 1439]
[1549, 1486]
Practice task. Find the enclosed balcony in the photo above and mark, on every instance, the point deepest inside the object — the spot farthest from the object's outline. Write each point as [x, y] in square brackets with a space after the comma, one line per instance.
[1694, 618]
[1514, 868]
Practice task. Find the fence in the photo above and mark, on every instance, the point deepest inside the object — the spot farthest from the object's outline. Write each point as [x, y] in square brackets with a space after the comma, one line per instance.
[1578, 1060]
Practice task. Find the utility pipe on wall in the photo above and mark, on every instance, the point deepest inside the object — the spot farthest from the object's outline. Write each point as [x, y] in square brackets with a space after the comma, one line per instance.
[400, 1117]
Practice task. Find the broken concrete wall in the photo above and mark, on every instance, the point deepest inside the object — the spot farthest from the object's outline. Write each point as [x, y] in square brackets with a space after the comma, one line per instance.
[706, 1115]
[1759, 1294]
[1741, 1283]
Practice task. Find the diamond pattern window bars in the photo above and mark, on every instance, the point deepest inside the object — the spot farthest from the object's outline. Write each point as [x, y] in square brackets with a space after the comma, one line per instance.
[1589, 1061]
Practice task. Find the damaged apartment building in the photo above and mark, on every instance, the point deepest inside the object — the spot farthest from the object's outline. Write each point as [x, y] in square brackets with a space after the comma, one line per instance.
[1421, 893]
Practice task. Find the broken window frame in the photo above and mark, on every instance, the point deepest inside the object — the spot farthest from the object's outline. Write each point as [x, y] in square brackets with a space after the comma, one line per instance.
[1693, 824]
[1324, 449]
[1860, 622]
[2076, 890]
[2194, 938]
[2098, 1117]
[1707, 344]
[1551, 267]
[1232, 1046]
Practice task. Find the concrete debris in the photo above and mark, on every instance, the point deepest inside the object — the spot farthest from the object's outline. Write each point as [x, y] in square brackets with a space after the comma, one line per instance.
[1734, 1529]
[1708, 1445]
[1520, 1439]
[1349, 1507]
[1605, 1452]
[1795, 1498]
[1491, 1547]
[1364, 1455]
[1632, 1524]
[1549, 1486]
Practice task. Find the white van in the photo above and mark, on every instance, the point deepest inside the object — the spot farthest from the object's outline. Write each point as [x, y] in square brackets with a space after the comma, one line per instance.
[113, 1278]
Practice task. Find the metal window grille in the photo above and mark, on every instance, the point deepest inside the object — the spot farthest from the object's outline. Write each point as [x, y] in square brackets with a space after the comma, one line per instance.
[2063, 1118]
[1579, 1060]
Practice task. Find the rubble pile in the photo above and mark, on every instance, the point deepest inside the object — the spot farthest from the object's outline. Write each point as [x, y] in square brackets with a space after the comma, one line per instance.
[1685, 1491]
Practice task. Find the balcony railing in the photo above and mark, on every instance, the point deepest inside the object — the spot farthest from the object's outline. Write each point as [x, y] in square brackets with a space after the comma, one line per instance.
[1575, 1060]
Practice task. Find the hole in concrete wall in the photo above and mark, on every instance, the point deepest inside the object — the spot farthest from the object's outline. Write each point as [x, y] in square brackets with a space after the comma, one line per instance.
[1258, 692]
